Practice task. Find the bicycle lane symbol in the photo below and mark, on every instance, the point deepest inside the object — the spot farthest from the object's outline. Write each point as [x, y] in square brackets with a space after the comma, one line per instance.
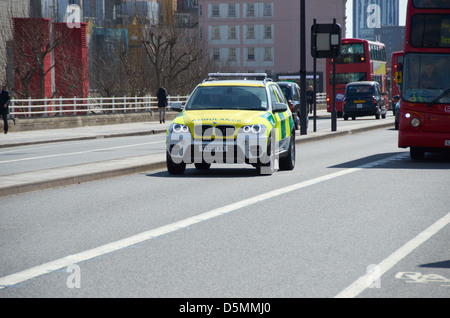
[419, 278]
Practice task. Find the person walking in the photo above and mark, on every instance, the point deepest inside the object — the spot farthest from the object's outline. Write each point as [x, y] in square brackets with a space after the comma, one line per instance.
[4, 107]
[162, 104]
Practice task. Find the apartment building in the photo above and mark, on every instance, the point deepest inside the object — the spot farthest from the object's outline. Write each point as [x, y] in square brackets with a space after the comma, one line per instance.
[263, 35]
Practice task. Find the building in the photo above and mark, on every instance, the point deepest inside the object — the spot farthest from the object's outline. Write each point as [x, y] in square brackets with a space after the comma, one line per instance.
[9, 9]
[370, 15]
[256, 36]
[244, 36]
[394, 39]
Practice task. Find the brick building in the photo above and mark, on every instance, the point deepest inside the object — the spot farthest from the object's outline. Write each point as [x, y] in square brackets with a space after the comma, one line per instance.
[263, 36]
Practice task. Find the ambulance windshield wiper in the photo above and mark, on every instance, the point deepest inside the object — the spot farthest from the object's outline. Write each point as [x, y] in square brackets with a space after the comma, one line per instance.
[439, 97]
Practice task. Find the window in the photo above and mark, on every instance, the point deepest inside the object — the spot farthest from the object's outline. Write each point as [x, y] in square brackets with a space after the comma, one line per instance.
[267, 9]
[251, 54]
[250, 32]
[377, 53]
[273, 94]
[250, 10]
[350, 53]
[441, 4]
[232, 10]
[268, 54]
[215, 32]
[296, 93]
[216, 54]
[425, 77]
[430, 30]
[267, 31]
[232, 32]
[215, 10]
[232, 54]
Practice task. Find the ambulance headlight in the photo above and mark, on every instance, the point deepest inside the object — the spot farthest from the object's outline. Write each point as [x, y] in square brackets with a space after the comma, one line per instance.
[255, 129]
[179, 128]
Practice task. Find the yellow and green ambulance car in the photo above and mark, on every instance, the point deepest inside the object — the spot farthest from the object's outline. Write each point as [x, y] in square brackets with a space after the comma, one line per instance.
[232, 118]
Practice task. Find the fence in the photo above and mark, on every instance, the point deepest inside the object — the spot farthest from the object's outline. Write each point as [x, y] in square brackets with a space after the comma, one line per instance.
[28, 108]
[321, 98]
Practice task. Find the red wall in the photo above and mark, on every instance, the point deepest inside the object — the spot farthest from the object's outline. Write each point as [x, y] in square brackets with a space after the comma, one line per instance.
[70, 57]
[31, 35]
[71, 71]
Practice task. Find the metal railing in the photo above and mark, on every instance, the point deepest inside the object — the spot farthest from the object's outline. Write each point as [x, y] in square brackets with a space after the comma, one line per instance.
[321, 98]
[76, 106]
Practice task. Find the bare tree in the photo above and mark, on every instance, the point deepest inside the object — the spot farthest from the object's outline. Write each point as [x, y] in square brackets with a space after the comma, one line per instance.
[117, 69]
[177, 56]
[106, 77]
[32, 54]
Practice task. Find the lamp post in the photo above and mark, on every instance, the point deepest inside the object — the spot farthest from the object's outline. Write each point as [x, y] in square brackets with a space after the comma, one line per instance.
[303, 111]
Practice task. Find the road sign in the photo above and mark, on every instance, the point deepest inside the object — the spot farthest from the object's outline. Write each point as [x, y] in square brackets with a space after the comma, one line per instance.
[326, 43]
[325, 40]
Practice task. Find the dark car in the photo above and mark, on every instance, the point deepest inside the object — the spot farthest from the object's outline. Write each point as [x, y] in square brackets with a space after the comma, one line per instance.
[364, 99]
[291, 92]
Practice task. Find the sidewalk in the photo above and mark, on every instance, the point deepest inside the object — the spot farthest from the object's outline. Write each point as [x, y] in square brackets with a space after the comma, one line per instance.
[42, 179]
[29, 137]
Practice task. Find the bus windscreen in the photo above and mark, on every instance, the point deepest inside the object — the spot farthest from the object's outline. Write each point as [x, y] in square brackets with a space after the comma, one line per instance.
[426, 78]
[351, 53]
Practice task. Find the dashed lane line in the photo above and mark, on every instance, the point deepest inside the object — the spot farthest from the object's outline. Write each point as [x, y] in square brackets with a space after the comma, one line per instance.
[58, 264]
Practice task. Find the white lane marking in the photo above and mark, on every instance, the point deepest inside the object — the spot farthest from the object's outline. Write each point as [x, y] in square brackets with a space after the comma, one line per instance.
[80, 152]
[34, 272]
[367, 280]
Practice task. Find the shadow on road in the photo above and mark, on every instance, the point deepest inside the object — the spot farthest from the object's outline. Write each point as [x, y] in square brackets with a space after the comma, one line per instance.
[215, 171]
[437, 160]
[443, 264]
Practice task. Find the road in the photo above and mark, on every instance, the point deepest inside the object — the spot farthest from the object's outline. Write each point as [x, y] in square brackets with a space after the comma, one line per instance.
[36, 157]
[356, 218]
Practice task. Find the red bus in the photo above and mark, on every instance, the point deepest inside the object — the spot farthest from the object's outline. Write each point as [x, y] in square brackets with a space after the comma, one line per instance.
[360, 60]
[424, 122]
[396, 73]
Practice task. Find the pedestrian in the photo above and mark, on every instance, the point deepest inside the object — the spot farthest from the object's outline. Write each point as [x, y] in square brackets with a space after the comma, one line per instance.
[4, 107]
[162, 104]
[310, 98]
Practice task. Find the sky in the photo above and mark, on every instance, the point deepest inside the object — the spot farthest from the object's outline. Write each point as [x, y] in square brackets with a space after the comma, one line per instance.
[349, 14]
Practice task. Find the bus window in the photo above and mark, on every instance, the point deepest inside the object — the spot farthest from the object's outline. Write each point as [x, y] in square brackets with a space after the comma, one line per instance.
[430, 30]
[438, 4]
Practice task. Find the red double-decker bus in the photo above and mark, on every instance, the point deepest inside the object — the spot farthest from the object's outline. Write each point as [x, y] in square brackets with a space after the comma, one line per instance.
[360, 60]
[424, 122]
[396, 73]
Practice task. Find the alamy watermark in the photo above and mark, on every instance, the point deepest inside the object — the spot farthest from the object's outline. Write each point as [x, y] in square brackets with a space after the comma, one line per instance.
[74, 279]
[73, 16]
[373, 276]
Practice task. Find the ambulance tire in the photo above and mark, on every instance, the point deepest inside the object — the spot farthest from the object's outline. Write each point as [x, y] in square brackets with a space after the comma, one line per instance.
[202, 165]
[288, 162]
[267, 165]
[174, 168]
